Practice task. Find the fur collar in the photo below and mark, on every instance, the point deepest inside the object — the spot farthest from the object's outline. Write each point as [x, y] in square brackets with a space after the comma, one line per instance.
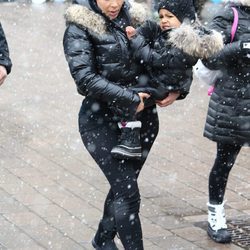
[241, 2]
[188, 38]
[85, 17]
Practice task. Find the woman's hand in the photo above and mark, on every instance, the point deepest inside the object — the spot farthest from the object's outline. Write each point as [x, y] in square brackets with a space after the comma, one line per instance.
[142, 96]
[3, 74]
[168, 100]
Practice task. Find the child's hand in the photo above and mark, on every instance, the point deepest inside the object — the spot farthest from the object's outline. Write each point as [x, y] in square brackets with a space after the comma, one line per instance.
[131, 31]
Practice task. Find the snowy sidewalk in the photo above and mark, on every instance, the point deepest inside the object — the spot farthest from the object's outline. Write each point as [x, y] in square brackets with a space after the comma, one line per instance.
[52, 192]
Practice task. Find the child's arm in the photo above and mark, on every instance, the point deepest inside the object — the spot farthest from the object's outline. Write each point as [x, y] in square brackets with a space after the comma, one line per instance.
[172, 58]
[141, 40]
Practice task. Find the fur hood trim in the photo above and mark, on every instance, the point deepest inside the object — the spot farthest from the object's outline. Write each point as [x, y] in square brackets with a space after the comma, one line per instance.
[188, 38]
[241, 2]
[139, 13]
[85, 17]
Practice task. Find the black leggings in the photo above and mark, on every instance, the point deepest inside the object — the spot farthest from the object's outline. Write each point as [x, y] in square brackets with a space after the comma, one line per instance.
[225, 159]
[121, 208]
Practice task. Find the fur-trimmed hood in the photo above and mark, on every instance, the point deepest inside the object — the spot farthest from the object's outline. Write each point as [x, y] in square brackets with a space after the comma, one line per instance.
[86, 17]
[241, 2]
[192, 39]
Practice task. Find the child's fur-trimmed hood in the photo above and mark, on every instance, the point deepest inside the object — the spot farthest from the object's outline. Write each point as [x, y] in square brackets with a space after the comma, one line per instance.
[192, 40]
[86, 17]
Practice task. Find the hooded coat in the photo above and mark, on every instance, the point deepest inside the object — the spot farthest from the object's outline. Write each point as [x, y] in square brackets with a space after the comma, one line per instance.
[99, 58]
[169, 55]
[228, 118]
[4, 52]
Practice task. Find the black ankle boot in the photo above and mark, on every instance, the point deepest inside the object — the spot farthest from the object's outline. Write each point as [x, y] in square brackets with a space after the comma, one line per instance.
[129, 146]
[104, 239]
[107, 245]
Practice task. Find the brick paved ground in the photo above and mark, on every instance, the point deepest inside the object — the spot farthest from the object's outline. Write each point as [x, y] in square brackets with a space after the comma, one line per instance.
[52, 193]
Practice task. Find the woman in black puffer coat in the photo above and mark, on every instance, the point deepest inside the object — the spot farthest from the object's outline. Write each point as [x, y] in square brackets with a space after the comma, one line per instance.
[97, 50]
[5, 62]
[228, 119]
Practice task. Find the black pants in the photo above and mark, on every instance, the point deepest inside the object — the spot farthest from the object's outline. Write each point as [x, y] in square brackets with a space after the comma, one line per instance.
[121, 208]
[225, 159]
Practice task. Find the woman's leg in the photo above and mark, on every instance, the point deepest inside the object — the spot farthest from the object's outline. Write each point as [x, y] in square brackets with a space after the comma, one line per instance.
[107, 226]
[225, 159]
[122, 178]
[122, 203]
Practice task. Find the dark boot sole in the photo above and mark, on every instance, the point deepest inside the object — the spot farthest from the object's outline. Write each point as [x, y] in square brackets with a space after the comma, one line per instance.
[219, 236]
[124, 154]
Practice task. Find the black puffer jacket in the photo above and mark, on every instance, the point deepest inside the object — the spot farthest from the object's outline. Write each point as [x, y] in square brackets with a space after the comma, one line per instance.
[170, 55]
[4, 51]
[100, 61]
[228, 118]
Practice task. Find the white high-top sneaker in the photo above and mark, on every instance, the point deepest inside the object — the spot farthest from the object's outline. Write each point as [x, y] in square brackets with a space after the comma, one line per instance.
[217, 227]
